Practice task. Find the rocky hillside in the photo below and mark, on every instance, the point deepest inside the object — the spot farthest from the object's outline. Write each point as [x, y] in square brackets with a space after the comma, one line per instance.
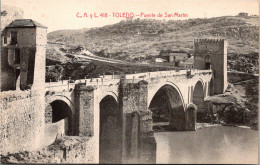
[8, 14]
[135, 39]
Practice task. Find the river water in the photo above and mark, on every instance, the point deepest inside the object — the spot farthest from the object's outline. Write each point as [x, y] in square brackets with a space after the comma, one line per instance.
[208, 145]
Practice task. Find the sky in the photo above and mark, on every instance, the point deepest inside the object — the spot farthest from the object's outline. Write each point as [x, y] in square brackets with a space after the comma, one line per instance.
[62, 14]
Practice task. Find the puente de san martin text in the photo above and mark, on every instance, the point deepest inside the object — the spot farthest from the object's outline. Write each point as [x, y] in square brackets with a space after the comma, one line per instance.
[114, 111]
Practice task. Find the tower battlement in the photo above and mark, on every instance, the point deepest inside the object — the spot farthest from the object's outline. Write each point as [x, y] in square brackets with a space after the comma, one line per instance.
[209, 40]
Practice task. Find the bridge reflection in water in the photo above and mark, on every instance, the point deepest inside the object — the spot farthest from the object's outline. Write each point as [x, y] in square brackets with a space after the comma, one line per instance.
[208, 145]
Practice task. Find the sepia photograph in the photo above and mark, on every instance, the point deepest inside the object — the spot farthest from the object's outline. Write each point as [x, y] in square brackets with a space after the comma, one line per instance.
[129, 82]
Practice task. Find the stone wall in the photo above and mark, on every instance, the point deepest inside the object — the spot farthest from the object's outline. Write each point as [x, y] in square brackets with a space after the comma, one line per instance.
[22, 121]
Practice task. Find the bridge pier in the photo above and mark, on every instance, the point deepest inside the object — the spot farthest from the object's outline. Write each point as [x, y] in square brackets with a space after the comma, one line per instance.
[139, 145]
[84, 110]
[191, 117]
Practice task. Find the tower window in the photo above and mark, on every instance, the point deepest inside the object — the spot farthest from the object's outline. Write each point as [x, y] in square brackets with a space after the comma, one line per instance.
[13, 38]
[5, 40]
[17, 56]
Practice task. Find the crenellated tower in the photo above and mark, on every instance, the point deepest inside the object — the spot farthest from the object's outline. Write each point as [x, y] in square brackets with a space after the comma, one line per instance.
[212, 54]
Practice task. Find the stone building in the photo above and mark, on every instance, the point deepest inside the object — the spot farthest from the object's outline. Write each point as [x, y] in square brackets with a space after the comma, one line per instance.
[160, 60]
[189, 63]
[174, 57]
[243, 14]
[23, 54]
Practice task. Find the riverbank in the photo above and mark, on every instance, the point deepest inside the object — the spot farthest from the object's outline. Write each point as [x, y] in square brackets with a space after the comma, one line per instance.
[164, 126]
[66, 149]
[206, 125]
[238, 106]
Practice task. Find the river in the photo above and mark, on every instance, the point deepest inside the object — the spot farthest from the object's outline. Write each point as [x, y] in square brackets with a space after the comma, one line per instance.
[208, 145]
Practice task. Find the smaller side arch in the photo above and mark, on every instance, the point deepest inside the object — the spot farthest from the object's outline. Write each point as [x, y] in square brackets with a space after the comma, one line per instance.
[211, 87]
[108, 93]
[201, 81]
[50, 99]
[59, 118]
[57, 108]
[198, 100]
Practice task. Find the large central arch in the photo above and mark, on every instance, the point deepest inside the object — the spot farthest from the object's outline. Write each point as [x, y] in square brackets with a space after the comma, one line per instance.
[110, 137]
[167, 105]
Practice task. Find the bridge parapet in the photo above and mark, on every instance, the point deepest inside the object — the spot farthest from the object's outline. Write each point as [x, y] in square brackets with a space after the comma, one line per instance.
[65, 85]
[108, 80]
[165, 73]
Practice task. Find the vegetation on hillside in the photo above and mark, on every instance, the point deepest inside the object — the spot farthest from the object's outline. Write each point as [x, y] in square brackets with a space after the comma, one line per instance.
[129, 39]
[138, 40]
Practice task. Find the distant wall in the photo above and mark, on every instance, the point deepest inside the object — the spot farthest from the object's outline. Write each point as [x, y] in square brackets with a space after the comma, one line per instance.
[22, 121]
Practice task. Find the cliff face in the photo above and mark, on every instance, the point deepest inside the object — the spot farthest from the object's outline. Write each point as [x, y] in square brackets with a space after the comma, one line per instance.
[8, 14]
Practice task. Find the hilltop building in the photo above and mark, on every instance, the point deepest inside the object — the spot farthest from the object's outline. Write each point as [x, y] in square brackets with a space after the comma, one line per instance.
[160, 60]
[243, 14]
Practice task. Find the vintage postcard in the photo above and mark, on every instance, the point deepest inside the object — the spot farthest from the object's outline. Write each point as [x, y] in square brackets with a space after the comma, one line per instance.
[129, 81]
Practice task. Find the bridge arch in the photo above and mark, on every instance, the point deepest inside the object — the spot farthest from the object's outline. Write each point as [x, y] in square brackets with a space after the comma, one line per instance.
[198, 99]
[155, 89]
[211, 87]
[59, 116]
[108, 93]
[167, 105]
[110, 134]
[199, 80]
[63, 98]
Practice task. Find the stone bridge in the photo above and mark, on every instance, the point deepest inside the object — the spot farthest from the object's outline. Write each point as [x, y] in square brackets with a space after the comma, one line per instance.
[106, 108]
[116, 112]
